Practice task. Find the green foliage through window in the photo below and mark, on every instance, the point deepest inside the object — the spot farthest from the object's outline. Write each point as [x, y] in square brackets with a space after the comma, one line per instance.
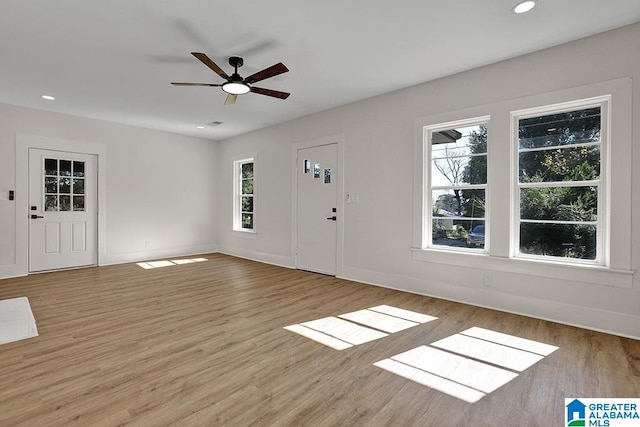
[244, 195]
[559, 166]
[458, 186]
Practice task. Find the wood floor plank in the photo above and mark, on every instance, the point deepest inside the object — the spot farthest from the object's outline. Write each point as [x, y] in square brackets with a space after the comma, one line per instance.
[204, 344]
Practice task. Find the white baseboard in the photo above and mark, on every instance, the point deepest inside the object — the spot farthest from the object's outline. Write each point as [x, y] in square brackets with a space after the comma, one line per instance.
[584, 317]
[267, 258]
[12, 270]
[123, 258]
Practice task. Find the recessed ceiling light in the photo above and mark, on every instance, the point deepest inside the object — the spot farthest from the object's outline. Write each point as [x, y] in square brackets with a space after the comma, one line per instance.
[199, 127]
[524, 6]
[48, 97]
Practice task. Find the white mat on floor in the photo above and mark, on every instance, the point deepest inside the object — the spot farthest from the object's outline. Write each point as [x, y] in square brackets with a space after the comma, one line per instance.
[16, 320]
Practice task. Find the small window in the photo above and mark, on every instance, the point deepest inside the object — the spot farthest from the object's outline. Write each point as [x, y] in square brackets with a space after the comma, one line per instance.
[457, 183]
[244, 209]
[62, 193]
[327, 176]
[559, 189]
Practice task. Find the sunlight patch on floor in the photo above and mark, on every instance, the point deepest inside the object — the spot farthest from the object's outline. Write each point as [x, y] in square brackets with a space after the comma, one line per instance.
[344, 330]
[16, 320]
[359, 327]
[510, 341]
[382, 322]
[168, 263]
[388, 319]
[468, 365]
[403, 314]
[507, 357]
[325, 339]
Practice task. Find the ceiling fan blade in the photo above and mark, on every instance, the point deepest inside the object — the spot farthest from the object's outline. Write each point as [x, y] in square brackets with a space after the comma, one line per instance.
[195, 84]
[270, 92]
[231, 99]
[209, 63]
[272, 71]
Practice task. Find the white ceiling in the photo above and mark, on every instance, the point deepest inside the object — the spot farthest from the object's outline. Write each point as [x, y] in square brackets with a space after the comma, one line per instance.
[114, 59]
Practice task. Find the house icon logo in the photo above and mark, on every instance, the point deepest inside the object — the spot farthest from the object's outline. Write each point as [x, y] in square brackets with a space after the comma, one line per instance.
[576, 413]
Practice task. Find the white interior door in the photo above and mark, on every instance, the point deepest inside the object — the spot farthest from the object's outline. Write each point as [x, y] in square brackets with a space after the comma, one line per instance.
[62, 210]
[316, 209]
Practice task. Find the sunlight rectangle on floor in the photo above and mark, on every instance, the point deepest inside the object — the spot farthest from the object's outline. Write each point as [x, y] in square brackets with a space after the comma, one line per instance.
[344, 330]
[510, 341]
[16, 320]
[468, 372]
[380, 321]
[476, 359]
[404, 314]
[319, 337]
[497, 354]
[435, 382]
[359, 327]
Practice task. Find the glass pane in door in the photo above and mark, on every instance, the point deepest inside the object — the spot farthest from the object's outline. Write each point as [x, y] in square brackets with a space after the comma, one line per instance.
[64, 185]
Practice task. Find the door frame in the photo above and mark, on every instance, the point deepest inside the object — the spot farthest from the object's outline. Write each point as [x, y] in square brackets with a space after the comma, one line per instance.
[24, 142]
[337, 139]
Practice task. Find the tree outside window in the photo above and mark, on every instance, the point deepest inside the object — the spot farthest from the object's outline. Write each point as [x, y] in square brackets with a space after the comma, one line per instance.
[559, 185]
[243, 207]
[458, 181]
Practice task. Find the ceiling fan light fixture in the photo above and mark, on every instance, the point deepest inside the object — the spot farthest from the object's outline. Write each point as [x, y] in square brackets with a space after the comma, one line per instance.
[234, 84]
[236, 88]
[524, 6]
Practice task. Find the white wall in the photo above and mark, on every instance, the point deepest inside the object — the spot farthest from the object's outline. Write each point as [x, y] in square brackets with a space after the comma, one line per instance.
[379, 146]
[160, 187]
[175, 191]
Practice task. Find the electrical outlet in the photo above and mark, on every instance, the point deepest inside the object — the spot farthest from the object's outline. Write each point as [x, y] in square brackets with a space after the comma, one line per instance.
[147, 245]
[487, 280]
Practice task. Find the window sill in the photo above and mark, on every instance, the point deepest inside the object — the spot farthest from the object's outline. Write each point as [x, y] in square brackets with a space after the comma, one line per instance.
[593, 274]
[244, 233]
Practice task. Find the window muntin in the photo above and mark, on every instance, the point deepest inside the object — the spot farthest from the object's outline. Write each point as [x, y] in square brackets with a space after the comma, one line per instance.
[63, 185]
[457, 182]
[244, 208]
[560, 195]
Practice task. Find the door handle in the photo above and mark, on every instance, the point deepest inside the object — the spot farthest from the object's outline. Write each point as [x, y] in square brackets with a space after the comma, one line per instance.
[333, 218]
[36, 216]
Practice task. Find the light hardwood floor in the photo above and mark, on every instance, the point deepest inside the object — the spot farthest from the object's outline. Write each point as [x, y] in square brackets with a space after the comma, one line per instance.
[203, 344]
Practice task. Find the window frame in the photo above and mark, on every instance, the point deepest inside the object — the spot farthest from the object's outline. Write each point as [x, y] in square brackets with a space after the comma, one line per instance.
[428, 187]
[603, 201]
[238, 195]
[616, 271]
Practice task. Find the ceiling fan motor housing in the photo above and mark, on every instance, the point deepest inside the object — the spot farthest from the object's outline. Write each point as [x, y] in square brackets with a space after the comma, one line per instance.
[236, 62]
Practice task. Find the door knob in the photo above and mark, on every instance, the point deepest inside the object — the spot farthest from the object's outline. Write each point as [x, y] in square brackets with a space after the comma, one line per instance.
[332, 218]
[36, 216]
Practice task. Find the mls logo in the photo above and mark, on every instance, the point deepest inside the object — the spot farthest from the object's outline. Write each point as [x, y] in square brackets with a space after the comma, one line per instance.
[602, 412]
[576, 413]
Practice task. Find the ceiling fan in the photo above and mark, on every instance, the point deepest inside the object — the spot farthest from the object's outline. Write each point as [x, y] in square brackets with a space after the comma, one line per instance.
[236, 85]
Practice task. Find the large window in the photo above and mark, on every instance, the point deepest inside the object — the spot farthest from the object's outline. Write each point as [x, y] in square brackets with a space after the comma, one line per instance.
[560, 195]
[243, 193]
[457, 182]
[539, 185]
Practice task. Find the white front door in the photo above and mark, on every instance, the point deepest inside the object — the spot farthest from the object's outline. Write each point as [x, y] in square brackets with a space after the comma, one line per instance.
[62, 210]
[316, 209]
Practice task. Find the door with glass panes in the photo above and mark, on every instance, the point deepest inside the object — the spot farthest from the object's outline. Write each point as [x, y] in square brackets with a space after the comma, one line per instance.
[317, 215]
[62, 210]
